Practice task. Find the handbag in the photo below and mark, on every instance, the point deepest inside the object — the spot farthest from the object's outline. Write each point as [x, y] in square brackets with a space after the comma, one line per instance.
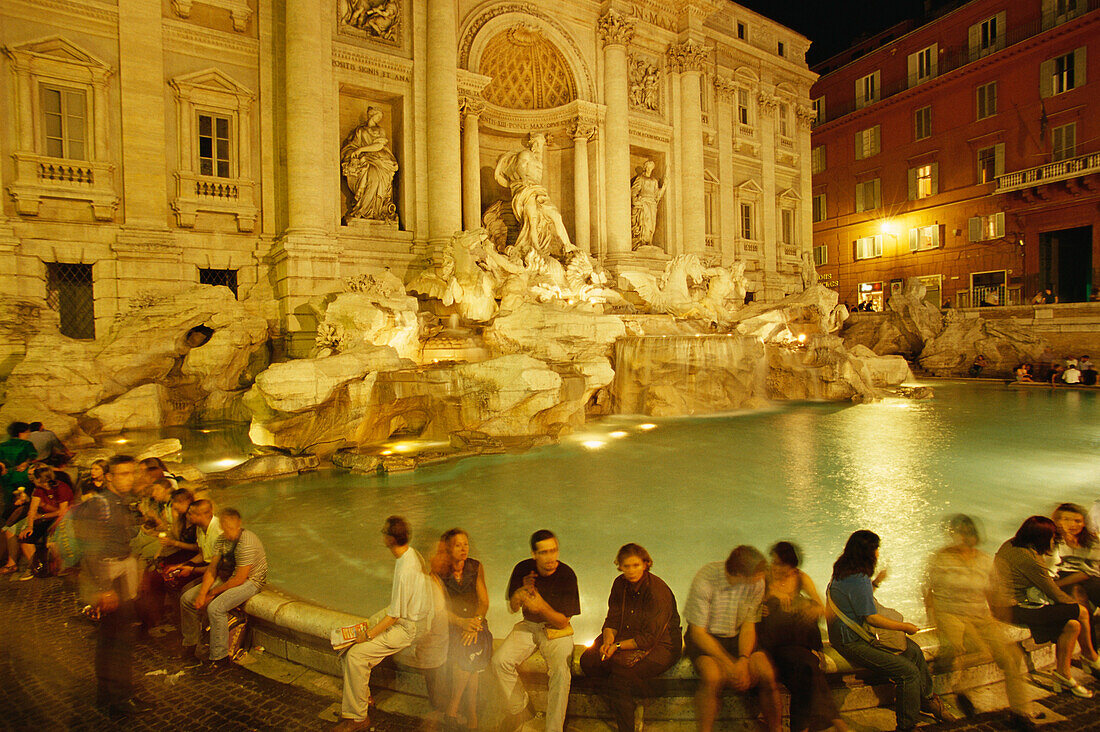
[630, 658]
[894, 641]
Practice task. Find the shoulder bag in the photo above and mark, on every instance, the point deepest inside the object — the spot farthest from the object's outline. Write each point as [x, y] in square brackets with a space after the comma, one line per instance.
[894, 641]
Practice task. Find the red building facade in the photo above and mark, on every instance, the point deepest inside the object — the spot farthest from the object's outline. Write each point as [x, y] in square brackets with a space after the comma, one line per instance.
[964, 152]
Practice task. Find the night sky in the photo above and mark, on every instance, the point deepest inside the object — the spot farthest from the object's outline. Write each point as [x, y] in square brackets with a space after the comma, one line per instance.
[833, 25]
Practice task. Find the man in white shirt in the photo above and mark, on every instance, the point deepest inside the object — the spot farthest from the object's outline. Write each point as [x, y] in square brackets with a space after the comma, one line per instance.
[409, 613]
[1072, 375]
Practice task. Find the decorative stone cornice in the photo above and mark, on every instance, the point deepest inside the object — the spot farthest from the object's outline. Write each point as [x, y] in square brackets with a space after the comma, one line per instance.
[615, 28]
[688, 56]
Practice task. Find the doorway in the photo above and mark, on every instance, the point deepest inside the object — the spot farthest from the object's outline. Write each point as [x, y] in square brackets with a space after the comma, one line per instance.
[1065, 263]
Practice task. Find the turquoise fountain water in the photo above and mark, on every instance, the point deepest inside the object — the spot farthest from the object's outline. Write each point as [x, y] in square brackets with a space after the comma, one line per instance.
[691, 489]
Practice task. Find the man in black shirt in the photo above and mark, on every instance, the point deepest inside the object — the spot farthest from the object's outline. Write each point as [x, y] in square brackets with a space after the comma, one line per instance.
[546, 590]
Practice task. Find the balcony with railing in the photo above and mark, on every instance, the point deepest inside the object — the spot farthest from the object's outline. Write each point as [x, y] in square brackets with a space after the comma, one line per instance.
[1049, 173]
[950, 59]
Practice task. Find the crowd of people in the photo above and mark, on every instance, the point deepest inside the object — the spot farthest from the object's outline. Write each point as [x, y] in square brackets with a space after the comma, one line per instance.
[751, 624]
[144, 545]
[1071, 372]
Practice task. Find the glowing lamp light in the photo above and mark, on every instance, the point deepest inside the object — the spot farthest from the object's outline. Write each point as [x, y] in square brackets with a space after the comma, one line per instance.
[589, 643]
[801, 337]
[618, 434]
[121, 441]
[647, 426]
[387, 452]
[593, 444]
[885, 228]
[228, 462]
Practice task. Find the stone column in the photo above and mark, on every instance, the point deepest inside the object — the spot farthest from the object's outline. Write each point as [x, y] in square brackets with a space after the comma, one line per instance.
[727, 98]
[769, 234]
[471, 163]
[308, 71]
[689, 59]
[141, 86]
[582, 200]
[805, 224]
[442, 129]
[616, 30]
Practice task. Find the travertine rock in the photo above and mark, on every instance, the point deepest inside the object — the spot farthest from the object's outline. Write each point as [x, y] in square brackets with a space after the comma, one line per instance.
[884, 370]
[1004, 343]
[907, 324]
[375, 316]
[294, 386]
[812, 311]
[142, 408]
[551, 332]
[266, 466]
[144, 346]
[822, 370]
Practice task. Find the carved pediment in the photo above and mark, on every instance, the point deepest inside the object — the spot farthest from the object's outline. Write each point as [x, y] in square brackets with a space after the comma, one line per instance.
[212, 80]
[789, 195]
[749, 188]
[56, 49]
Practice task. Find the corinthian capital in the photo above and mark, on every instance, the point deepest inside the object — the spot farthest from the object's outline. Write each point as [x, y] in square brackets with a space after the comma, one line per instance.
[726, 87]
[615, 28]
[470, 106]
[767, 101]
[582, 131]
[688, 56]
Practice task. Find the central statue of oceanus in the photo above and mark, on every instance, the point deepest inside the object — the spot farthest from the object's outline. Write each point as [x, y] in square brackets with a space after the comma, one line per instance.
[541, 227]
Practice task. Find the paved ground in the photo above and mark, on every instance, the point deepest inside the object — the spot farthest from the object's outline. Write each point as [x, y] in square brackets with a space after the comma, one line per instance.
[47, 681]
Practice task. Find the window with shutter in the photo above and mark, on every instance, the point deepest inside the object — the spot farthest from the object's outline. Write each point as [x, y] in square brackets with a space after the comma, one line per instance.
[817, 159]
[867, 90]
[1064, 142]
[821, 255]
[818, 203]
[986, 228]
[987, 100]
[922, 123]
[987, 164]
[819, 110]
[923, 238]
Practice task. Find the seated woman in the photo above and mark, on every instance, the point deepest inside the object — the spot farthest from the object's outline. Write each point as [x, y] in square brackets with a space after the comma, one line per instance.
[851, 597]
[1025, 594]
[1023, 373]
[152, 469]
[50, 500]
[641, 635]
[789, 633]
[956, 581]
[181, 542]
[471, 645]
[1078, 567]
[94, 481]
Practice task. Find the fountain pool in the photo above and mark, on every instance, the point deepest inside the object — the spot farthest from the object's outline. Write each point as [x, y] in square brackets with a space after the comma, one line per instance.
[691, 489]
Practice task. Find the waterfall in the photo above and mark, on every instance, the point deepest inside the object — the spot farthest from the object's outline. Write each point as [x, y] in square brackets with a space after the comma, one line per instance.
[680, 375]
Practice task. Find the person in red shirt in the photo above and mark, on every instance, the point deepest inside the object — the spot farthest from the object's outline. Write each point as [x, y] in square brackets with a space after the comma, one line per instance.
[50, 500]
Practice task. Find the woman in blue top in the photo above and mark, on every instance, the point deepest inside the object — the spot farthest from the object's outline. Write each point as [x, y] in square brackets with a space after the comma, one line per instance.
[851, 592]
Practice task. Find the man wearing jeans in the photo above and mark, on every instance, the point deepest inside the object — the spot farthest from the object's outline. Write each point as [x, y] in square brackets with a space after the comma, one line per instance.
[546, 590]
[241, 549]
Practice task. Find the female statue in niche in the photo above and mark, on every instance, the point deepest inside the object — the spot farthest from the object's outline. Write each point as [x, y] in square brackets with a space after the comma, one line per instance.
[645, 194]
[369, 166]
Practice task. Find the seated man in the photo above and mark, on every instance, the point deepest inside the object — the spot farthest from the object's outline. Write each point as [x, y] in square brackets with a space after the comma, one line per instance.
[51, 450]
[408, 615]
[208, 532]
[722, 610]
[51, 498]
[546, 590]
[241, 556]
[17, 450]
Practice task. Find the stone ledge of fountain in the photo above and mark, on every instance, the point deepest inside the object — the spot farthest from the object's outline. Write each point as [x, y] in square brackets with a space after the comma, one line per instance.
[297, 630]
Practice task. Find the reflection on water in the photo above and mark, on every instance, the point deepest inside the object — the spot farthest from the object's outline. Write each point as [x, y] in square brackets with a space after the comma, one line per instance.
[689, 490]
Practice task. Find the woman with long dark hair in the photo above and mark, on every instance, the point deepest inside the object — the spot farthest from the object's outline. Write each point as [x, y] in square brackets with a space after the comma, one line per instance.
[1025, 594]
[851, 600]
[1078, 555]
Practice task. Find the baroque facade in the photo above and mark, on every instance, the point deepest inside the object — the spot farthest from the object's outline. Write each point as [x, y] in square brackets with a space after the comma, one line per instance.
[280, 147]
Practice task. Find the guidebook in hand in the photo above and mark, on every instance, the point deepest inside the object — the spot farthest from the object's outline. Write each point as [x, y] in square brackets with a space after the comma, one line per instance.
[341, 638]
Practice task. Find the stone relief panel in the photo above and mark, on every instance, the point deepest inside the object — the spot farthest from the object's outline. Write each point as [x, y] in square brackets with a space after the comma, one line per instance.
[645, 83]
[375, 20]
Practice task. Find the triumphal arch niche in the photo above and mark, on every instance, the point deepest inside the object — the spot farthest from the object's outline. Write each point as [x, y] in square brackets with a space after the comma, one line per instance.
[525, 86]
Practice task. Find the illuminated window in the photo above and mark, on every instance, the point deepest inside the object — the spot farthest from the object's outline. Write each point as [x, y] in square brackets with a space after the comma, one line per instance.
[868, 247]
[924, 237]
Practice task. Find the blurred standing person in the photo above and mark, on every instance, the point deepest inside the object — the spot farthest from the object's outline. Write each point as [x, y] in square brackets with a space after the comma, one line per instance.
[956, 583]
[789, 633]
[1025, 594]
[641, 635]
[851, 598]
[471, 644]
[109, 579]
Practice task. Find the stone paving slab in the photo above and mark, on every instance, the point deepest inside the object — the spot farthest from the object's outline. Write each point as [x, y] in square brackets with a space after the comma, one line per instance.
[47, 683]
